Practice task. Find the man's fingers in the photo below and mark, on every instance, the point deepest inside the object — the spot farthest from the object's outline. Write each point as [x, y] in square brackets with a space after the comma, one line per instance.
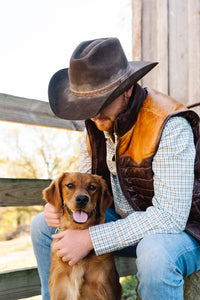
[54, 223]
[51, 215]
[71, 263]
[65, 259]
[57, 236]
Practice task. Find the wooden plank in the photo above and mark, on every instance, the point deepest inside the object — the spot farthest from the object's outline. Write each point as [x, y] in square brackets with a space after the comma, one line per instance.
[22, 192]
[193, 51]
[19, 284]
[170, 34]
[161, 71]
[137, 30]
[149, 40]
[178, 50]
[155, 43]
[34, 112]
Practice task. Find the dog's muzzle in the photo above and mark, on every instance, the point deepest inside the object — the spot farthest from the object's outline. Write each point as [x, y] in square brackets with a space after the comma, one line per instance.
[79, 216]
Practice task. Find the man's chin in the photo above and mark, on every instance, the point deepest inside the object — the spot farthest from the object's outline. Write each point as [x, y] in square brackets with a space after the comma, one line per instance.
[104, 125]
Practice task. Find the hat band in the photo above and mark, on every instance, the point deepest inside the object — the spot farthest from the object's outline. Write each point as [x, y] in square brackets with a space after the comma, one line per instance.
[102, 90]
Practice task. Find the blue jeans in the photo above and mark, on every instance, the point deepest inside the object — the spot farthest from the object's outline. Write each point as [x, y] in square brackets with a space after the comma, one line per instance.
[163, 260]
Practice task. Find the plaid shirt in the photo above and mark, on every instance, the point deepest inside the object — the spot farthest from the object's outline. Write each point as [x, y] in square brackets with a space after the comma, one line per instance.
[173, 167]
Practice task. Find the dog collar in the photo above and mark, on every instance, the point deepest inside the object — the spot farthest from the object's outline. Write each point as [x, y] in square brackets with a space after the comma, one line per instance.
[58, 230]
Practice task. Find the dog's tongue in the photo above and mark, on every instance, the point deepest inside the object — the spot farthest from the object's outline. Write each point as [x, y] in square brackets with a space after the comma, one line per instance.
[80, 216]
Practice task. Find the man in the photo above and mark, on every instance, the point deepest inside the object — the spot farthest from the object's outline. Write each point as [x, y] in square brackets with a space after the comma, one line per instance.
[143, 143]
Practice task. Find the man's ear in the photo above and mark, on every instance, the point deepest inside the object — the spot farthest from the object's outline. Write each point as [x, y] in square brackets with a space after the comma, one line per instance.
[53, 193]
[129, 92]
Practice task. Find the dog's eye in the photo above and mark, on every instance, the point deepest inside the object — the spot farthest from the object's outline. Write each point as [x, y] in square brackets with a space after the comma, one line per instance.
[70, 185]
[91, 187]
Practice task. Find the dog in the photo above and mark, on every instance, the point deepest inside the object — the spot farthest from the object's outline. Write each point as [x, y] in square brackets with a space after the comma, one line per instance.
[84, 199]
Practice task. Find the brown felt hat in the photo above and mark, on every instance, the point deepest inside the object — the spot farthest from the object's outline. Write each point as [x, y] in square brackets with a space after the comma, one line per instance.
[99, 72]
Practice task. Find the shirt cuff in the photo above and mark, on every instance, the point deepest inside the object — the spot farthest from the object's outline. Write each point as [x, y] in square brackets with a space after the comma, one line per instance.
[105, 238]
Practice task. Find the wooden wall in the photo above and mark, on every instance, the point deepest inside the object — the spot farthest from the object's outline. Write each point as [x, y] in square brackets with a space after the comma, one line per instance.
[168, 31]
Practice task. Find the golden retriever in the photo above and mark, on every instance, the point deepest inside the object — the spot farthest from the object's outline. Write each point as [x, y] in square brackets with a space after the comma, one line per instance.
[84, 199]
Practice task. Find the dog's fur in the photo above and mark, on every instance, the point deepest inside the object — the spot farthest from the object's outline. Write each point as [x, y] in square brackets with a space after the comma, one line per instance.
[94, 277]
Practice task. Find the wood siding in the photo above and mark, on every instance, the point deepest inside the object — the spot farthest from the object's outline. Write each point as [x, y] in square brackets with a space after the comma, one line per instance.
[168, 31]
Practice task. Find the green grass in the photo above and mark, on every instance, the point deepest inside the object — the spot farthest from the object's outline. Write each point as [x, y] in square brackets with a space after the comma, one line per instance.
[129, 285]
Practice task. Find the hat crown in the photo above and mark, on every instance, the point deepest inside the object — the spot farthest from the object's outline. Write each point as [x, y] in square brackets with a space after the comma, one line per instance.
[96, 65]
[98, 74]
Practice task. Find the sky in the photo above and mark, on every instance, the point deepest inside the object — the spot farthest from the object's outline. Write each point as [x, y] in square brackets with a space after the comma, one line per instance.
[37, 38]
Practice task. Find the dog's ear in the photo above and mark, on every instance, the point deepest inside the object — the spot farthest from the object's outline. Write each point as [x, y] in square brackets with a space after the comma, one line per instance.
[52, 194]
[105, 199]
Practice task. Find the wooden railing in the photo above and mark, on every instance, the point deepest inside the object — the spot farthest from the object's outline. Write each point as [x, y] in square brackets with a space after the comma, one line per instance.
[23, 283]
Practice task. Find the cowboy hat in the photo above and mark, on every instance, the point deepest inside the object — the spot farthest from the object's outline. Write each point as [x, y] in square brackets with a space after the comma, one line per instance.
[99, 72]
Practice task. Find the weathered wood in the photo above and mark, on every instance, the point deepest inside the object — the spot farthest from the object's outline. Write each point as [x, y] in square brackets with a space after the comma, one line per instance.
[137, 29]
[22, 192]
[19, 284]
[170, 34]
[162, 46]
[194, 50]
[149, 40]
[155, 43]
[34, 112]
[178, 50]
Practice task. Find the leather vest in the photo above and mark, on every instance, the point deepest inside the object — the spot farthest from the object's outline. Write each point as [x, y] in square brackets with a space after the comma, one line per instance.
[139, 130]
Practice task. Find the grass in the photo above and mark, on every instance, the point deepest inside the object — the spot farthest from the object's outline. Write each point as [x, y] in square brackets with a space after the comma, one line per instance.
[129, 285]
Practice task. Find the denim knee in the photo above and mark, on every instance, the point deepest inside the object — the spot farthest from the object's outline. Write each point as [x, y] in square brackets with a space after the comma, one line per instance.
[156, 269]
[36, 226]
[151, 258]
[41, 240]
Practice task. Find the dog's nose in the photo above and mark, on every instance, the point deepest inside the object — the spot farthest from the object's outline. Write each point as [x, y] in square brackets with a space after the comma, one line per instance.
[81, 200]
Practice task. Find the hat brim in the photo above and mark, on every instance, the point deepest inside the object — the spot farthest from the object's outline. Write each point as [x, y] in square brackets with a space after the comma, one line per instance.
[66, 105]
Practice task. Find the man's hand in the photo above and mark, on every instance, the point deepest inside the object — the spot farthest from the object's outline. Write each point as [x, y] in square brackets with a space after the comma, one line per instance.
[52, 216]
[73, 245]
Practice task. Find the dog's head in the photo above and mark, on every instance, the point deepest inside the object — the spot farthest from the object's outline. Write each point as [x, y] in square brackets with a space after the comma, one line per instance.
[83, 197]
